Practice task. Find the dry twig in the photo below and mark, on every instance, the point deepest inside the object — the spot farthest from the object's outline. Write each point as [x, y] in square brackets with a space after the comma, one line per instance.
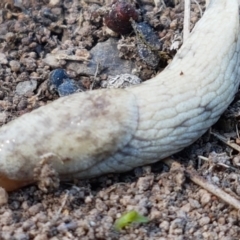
[215, 190]
[186, 26]
[199, 7]
[95, 76]
[226, 141]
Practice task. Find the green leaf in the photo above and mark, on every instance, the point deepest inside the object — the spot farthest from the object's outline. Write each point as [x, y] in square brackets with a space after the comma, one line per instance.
[129, 218]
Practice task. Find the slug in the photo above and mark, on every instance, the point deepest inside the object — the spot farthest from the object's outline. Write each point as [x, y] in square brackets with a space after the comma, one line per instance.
[106, 131]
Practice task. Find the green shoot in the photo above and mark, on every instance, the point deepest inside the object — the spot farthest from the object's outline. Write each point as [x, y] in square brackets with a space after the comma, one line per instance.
[129, 218]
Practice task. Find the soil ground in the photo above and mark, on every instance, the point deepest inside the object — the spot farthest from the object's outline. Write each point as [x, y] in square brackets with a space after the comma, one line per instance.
[176, 207]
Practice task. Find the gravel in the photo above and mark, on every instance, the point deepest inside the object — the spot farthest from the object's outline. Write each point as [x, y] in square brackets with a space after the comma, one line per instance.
[65, 32]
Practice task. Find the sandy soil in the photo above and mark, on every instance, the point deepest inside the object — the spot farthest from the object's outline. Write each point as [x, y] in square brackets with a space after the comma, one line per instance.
[33, 34]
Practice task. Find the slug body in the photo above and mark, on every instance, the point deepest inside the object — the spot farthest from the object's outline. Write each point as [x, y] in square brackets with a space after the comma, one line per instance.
[103, 131]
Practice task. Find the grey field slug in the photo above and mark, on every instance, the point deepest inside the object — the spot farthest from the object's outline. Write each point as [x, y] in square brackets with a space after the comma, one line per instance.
[115, 130]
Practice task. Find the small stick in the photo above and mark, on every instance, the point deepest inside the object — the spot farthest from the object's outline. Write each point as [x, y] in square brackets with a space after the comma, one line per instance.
[46, 227]
[237, 131]
[95, 75]
[186, 25]
[215, 190]
[226, 141]
[199, 7]
[62, 206]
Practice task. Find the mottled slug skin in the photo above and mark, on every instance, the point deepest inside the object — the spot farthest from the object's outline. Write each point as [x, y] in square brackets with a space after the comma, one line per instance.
[97, 132]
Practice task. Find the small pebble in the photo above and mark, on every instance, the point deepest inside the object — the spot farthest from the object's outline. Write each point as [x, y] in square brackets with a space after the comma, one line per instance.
[164, 225]
[57, 77]
[33, 210]
[15, 65]
[204, 221]
[26, 87]
[3, 59]
[221, 220]
[194, 203]
[3, 117]
[205, 197]
[186, 207]
[20, 236]
[144, 183]
[68, 87]
[60, 81]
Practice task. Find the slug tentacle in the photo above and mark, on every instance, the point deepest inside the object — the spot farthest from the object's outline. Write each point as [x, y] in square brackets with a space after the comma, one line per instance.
[103, 131]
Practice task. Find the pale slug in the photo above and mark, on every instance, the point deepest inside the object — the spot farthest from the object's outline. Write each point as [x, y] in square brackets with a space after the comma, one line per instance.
[98, 132]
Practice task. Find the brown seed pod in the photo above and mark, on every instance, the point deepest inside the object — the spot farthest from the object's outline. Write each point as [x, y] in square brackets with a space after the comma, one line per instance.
[117, 19]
